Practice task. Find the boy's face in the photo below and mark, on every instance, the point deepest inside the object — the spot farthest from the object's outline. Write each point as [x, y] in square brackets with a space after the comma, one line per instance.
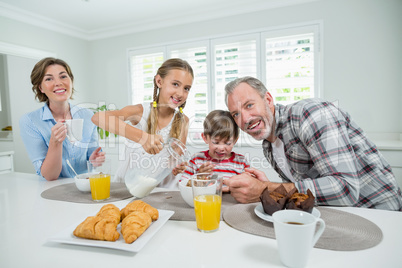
[219, 148]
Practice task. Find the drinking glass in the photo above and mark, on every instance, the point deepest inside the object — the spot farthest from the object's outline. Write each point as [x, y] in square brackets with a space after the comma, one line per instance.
[99, 179]
[207, 194]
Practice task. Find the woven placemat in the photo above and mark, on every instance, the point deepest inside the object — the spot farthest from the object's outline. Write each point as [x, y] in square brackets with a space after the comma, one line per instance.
[344, 231]
[69, 192]
[172, 200]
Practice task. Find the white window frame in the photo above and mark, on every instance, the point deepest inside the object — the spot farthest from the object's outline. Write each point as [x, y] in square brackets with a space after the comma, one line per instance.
[260, 35]
[316, 28]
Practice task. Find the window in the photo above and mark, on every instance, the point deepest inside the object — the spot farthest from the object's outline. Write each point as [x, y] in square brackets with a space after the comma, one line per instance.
[289, 63]
[286, 61]
[143, 69]
[232, 58]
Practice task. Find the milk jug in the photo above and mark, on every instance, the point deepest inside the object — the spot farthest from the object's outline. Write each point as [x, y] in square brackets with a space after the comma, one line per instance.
[146, 171]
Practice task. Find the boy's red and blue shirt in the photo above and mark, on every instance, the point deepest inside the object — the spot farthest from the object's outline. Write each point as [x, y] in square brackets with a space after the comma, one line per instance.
[234, 165]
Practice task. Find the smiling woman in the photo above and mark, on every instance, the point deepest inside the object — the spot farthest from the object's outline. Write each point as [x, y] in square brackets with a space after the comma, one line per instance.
[44, 131]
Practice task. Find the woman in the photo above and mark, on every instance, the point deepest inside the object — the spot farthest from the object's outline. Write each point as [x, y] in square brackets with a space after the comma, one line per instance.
[44, 132]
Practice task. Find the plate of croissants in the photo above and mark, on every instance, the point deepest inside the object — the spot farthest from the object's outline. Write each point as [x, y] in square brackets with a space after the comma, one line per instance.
[128, 229]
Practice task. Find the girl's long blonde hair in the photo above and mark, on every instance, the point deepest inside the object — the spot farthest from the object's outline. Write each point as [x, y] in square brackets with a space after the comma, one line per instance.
[178, 120]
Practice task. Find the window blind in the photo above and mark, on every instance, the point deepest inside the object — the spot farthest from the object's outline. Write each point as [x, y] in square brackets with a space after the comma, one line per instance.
[197, 102]
[290, 67]
[143, 69]
[285, 60]
[232, 60]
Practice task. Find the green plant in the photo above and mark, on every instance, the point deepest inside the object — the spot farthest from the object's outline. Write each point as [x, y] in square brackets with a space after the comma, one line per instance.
[102, 133]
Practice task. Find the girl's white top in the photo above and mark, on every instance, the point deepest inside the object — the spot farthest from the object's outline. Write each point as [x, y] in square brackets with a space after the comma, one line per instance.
[133, 149]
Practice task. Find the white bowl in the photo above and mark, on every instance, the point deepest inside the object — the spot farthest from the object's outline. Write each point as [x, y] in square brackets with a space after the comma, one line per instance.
[82, 182]
[186, 192]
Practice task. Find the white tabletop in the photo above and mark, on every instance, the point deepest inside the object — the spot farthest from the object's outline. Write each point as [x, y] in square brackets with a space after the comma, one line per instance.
[27, 221]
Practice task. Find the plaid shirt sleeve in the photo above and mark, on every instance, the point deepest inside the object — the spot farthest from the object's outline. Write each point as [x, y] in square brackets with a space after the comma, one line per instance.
[324, 134]
[330, 155]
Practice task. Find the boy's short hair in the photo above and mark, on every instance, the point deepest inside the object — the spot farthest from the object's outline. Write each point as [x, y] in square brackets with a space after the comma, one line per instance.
[219, 123]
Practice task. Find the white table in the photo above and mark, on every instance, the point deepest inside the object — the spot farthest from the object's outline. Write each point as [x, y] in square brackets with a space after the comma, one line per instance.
[27, 221]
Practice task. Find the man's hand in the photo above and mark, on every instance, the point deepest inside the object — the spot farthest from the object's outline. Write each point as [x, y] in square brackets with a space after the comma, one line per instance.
[247, 187]
[258, 174]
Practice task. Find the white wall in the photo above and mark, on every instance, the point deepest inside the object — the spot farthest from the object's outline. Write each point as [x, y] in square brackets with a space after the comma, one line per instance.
[362, 56]
[5, 118]
[19, 70]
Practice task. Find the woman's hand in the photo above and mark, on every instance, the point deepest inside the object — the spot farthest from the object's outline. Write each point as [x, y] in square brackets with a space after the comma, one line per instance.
[58, 132]
[98, 156]
[153, 144]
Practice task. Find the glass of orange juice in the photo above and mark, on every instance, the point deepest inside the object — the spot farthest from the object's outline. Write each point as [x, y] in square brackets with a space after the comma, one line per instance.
[207, 194]
[99, 179]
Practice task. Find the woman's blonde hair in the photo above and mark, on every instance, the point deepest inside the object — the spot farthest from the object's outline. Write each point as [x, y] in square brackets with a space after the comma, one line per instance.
[39, 71]
[178, 120]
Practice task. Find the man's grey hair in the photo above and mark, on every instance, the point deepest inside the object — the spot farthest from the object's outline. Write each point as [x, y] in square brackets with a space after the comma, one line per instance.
[251, 81]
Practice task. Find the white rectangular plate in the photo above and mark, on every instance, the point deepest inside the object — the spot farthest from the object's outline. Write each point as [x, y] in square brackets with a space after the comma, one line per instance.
[66, 236]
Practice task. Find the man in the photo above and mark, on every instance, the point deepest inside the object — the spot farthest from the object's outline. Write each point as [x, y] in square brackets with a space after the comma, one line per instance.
[313, 145]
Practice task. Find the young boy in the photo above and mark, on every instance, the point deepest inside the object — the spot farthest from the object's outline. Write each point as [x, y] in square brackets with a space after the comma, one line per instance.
[221, 134]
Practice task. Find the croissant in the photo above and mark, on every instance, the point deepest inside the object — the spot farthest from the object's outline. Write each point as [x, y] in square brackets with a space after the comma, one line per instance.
[135, 225]
[110, 210]
[139, 205]
[98, 228]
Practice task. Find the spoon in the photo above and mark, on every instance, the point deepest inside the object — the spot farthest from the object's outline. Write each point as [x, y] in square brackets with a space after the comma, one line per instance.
[68, 163]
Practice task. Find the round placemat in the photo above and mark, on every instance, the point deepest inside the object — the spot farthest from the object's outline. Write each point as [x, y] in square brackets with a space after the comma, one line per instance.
[172, 200]
[344, 231]
[69, 192]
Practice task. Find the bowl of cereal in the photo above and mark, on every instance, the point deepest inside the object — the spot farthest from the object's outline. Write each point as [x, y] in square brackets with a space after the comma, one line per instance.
[82, 182]
[186, 192]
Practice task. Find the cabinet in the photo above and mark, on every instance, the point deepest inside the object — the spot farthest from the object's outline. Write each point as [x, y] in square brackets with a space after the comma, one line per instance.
[6, 162]
[394, 158]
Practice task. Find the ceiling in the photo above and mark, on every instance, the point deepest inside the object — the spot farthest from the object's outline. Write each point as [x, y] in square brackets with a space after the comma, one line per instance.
[96, 19]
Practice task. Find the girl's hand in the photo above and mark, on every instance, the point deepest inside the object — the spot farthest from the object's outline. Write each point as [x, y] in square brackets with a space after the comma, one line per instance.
[98, 156]
[59, 132]
[180, 168]
[207, 167]
[153, 144]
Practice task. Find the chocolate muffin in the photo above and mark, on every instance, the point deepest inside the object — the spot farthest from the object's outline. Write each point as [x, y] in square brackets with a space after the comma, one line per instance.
[279, 199]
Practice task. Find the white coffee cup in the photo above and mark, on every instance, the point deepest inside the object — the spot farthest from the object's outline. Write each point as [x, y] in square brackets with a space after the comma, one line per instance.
[296, 236]
[74, 129]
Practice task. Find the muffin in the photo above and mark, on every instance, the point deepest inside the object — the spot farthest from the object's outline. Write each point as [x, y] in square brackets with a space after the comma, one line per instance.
[301, 201]
[275, 200]
[279, 199]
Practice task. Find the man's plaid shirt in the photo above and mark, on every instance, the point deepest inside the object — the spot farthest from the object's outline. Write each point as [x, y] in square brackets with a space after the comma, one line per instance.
[330, 155]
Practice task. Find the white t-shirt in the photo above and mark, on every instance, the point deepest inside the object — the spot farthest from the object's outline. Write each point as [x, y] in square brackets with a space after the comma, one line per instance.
[278, 152]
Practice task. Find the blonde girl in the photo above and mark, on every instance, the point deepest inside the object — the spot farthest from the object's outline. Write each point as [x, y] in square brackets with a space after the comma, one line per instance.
[146, 126]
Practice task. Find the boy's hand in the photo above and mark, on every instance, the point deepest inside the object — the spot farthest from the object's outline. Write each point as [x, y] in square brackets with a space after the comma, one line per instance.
[180, 168]
[207, 167]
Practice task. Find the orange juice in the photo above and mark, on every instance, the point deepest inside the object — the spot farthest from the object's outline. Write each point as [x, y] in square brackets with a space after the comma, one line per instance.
[207, 212]
[100, 186]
